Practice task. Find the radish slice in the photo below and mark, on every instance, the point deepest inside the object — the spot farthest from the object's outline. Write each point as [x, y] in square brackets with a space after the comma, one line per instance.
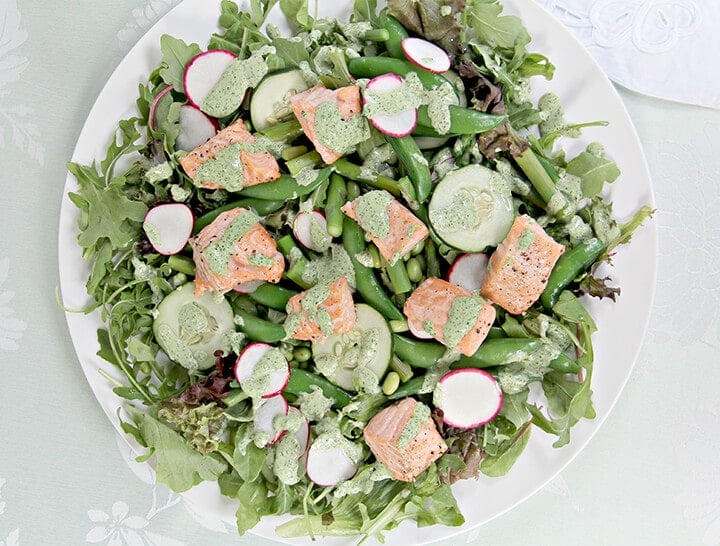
[395, 125]
[426, 55]
[266, 414]
[270, 382]
[203, 72]
[168, 227]
[468, 397]
[248, 286]
[196, 128]
[154, 106]
[310, 228]
[468, 270]
[327, 463]
[302, 434]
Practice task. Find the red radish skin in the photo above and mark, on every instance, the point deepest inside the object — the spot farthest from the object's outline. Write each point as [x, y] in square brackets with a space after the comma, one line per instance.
[266, 414]
[302, 229]
[426, 55]
[468, 270]
[249, 359]
[248, 287]
[203, 72]
[420, 334]
[154, 106]
[196, 128]
[468, 398]
[328, 467]
[394, 125]
[168, 227]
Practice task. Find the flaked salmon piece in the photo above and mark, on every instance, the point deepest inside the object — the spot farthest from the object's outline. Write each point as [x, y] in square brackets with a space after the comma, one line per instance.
[222, 261]
[334, 313]
[304, 106]
[405, 229]
[258, 167]
[403, 437]
[434, 304]
[520, 266]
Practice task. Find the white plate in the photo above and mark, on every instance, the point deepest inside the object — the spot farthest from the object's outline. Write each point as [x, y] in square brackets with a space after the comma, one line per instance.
[586, 94]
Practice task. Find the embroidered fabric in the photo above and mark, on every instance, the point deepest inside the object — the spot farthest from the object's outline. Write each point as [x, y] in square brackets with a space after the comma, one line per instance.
[662, 48]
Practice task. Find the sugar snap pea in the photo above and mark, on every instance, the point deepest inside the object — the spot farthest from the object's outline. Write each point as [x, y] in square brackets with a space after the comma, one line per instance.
[285, 187]
[569, 266]
[271, 295]
[371, 67]
[262, 206]
[367, 283]
[302, 381]
[396, 34]
[416, 166]
[259, 329]
[463, 121]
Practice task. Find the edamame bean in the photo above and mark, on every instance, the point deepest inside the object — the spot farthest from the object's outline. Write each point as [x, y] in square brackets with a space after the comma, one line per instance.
[391, 383]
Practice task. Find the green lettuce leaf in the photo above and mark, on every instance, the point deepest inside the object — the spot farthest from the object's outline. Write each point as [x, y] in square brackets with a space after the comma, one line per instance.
[176, 54]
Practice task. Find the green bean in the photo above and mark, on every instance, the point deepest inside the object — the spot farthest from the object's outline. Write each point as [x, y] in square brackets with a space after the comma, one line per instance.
[259, 329]
[463, 121]
[398, 326]
[353, 190]
[271, 295]
[565, 364]
[291, 152]
[302, 381]
[414, 271]
[183, 264]
[568, 267]
[371, 67]
[432, 262]
[416, 166]
[541, 181]
[375, 255]
[262, 206]
[297, 259]
[285, 187]
[396, 34]
[366, 282]
[398, 275]
[336, 198]
[376, 35]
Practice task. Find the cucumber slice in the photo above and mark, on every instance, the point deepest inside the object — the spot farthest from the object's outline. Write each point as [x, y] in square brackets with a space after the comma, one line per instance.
[471, 208]
[368, 345]
[269, 103]
[191, 328]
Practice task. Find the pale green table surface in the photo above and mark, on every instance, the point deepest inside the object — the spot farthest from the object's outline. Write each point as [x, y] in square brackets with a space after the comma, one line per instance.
[649, 477]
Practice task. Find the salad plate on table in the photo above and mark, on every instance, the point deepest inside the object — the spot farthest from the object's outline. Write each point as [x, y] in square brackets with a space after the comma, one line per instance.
[539, 449]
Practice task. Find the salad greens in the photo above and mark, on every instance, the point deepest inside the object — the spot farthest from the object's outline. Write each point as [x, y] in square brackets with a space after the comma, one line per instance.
[198, 424]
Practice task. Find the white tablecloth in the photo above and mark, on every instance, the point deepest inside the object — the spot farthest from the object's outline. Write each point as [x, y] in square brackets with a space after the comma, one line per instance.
[650, 476]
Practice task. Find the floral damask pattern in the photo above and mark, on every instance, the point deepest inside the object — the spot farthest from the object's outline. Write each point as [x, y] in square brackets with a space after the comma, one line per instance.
[142, 19]
[16, 125]
[11, 329]
[119, 528]
[13, 539]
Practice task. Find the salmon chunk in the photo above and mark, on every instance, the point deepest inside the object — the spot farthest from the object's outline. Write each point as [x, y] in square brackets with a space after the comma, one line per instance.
[448, 312]
[403, 437]
[334, 313]
[391, 227]
[520, 266]
[234, 249]
[305, 104]
[257, 166]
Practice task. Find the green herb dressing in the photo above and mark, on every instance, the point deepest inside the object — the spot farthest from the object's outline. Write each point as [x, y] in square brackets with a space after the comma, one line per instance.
[420, 415]
[527, 237]
[314, 404]
[463, 315]
[273, 361]
[152, 233]
[218, 252]
[331, 266]
[337, 134]
[553, 117]
[319, 236]
[227, 94]
[158, 173]
[372, 212]
[286, 463]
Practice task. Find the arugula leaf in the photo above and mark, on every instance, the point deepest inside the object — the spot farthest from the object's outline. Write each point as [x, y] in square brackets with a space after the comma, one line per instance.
[492, 28]
[570, 309]
[254, 504]
[514, 408]
[296, 12]
[179, 466]
[291, 51]
[365, 10]
[500, 463]
[176, 54]
[594, 169]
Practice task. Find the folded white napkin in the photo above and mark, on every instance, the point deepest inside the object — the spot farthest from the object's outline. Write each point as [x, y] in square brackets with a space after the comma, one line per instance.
[664, 48]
